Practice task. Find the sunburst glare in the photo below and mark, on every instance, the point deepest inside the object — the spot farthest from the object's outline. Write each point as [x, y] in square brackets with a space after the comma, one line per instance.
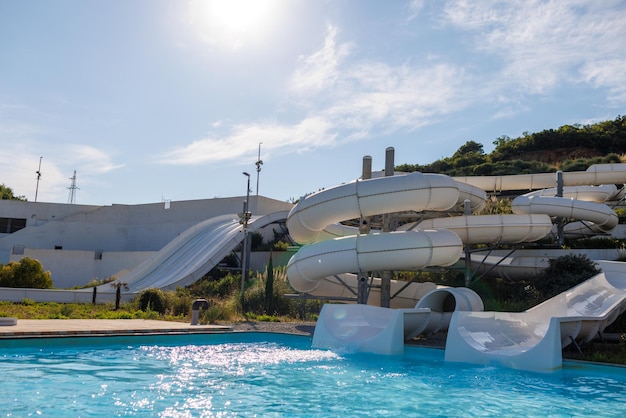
[234, 23]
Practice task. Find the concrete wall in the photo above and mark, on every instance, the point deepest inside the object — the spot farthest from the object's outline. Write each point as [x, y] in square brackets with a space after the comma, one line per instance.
[71, 268]
[60, 296]
[65, 238]
[118, 227]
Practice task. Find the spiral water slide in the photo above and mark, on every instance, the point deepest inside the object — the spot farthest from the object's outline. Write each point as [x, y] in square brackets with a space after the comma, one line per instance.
[193, 253]
[333, 249]
[320, 267]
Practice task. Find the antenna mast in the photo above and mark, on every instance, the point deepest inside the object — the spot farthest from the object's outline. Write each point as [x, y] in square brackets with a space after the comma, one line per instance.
[72, 197]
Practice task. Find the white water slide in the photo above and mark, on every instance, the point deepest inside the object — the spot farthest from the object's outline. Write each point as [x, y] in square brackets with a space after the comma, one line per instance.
[193, 253]
[333, 249]
[533, 340]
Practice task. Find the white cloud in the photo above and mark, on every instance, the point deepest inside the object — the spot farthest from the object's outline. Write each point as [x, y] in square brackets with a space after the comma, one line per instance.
[544, 44]
[396, 98]
[90, 160]
[609, 73]
[311, 132]
[517, 49]
[319, 71]
[414, 8]
[356, 99]
[21, 161]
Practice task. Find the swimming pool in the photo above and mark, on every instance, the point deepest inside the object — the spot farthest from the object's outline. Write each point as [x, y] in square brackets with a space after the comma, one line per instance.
[259, 374]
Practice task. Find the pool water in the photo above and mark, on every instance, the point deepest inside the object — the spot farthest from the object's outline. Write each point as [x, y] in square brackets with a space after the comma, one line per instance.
[257, 374]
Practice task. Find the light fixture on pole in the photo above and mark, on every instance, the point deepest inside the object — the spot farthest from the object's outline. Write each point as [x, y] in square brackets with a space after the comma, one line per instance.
[38, 177]
[244, 217]
[258, 163]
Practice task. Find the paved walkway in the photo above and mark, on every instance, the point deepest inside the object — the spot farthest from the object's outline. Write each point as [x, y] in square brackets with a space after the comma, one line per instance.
[30, 328]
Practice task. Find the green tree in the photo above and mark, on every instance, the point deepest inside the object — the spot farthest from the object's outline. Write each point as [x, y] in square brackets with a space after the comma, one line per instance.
[27, 273]
[469, 147]
[6, 193]
[469, 154]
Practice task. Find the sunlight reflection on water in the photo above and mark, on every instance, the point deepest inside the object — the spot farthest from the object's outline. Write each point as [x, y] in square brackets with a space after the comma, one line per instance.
[277, 375]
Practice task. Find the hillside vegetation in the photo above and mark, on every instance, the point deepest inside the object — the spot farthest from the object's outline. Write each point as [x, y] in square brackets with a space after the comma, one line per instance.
[568, 148]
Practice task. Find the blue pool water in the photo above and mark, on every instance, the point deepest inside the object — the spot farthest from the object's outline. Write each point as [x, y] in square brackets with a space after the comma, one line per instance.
[256, 374]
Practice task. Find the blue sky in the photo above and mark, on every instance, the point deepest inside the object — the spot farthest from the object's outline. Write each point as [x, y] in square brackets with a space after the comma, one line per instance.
[160, 99]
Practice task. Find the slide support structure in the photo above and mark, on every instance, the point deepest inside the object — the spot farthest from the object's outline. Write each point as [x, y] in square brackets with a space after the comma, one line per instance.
[467, 208]
[559, 220]
[386, 275]
[364, 228]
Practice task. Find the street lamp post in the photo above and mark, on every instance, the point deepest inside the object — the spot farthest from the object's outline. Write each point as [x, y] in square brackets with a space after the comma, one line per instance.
[38, 177]
[243, 220]
[258, 163]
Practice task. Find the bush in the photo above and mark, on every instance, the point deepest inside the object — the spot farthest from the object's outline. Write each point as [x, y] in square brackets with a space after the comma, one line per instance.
[215, 288]
[280, 246]
[27, 273]
[564, 273]
[178, 302]
[505, 295]
[256, 297]
[153, 300]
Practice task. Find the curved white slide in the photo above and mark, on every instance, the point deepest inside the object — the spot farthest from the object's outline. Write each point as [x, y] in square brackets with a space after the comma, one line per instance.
[532, 340]
[321, 265]
[315, 220]
[595, 175]
[193, 253]
[484, 229]
[410, 250]
[308, 220]
[366, 328]
[603, 217]
[335, 249]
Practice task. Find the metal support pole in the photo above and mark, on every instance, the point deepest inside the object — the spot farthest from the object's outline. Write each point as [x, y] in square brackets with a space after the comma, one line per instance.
[467, 209]
[244, 247]
[244, 250]
[366, 174]
[38, 178]
[559, 221]
[258, 164]
[364, 228]
[386, 275]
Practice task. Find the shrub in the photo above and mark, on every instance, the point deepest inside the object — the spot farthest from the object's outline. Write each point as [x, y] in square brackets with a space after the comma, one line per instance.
[218, 288]
[564, 273]
[154, 300]
[178, 302]
[621, 215]
[280, 246]
[212, 314]
[255, 299]
[27, 273]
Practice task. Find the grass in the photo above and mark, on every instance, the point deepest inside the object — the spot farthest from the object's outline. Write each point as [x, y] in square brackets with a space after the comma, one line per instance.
[51, 310]
[599, 352]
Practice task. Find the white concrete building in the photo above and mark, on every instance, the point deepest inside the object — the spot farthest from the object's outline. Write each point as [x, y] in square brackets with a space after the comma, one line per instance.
[80, 243]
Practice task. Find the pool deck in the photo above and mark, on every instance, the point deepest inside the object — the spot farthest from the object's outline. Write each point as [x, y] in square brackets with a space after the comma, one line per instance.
[34, 328]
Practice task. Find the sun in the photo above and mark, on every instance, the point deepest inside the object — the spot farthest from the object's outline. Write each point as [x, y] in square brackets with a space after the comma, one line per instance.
[233, 23]
[239, 15]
